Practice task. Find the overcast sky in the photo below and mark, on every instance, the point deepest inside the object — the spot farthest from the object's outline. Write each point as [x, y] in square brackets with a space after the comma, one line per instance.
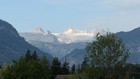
[56, 15]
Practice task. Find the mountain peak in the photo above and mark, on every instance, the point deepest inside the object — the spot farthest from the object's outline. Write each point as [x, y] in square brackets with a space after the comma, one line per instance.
[7, 29]
[73, 31]
[37, 30]
[69, 31]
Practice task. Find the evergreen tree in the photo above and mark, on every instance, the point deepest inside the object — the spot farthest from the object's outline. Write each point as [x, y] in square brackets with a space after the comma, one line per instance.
[84, 64]
[28, 55]
[78, 68]
[65, 68]
[55, 68]
[22, 69]
[46, 66]
[34, 56]
[5, 72]
[73, 69]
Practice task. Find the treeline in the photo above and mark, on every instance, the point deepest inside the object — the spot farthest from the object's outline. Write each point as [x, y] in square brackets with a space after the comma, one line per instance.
[31, 66]
[27, 67]
[129, 71]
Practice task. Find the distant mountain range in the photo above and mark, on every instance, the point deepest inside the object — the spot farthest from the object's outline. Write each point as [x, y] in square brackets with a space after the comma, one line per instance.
[69, 36]
[12, 46]
[60, 44]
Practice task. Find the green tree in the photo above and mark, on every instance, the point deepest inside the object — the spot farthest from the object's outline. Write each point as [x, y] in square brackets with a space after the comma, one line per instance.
[73, 69]
[65, 68]
[23, 69]
[108, 52]
[16, 71]
[46, 66]
[84, 64]
[28, 55]
[5, 72]
[34, 56]
[55, 68]
[78, 69]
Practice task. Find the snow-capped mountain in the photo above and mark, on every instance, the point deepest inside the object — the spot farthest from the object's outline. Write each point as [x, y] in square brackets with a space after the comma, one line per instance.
[59, 44]
[68, 36]
[38, 34]
[37, 30]
[74, 36]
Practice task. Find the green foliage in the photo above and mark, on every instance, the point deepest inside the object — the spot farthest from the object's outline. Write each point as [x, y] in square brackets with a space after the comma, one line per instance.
[28, 55]
[78, 70]
[133, 70]
[93, 73]
[73, 69]
[23, 69]
[34, 56]
[65, 68]
[31, 67]
[108, 53]
[84, 64]
[55, 68]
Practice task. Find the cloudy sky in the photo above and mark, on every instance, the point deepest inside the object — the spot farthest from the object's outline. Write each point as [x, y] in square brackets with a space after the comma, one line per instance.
[56, 15]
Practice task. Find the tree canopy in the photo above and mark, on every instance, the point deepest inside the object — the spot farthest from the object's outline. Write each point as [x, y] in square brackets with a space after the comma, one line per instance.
[109, 53]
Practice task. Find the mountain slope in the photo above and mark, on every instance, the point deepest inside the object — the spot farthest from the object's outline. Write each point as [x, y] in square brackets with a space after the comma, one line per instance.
[12, 46]
[132, 42]
[131, 36]
[58, 50]
[75, 57]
